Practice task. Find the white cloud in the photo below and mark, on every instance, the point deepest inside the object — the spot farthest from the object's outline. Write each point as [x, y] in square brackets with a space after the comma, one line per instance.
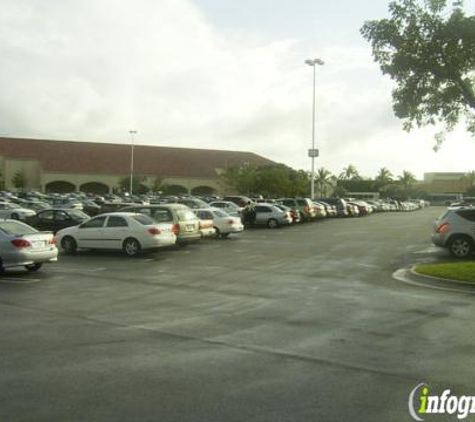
[92, 70]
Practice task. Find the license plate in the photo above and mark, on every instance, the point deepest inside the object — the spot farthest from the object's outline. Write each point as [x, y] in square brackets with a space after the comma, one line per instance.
[190, 227]
[38, 244]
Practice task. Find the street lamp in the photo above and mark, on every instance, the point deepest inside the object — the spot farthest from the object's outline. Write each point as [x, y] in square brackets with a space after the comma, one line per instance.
[312, 153]
[132, 134]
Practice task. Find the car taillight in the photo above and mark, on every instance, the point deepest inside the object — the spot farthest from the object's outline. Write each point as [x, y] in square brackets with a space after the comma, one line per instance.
[154, 231]
[230, 222]
[21, 243]
[443, 228]
[176, 229]
[52, 241]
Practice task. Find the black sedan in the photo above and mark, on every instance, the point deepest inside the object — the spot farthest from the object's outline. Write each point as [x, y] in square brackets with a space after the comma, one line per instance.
[57, 219]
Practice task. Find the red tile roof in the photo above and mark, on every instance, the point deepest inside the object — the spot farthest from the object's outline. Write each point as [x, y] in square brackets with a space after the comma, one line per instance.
[103, 158]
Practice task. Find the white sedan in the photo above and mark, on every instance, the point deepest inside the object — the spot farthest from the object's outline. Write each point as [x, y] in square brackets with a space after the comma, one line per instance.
[14, 211]
[129, 232]
[224, 223]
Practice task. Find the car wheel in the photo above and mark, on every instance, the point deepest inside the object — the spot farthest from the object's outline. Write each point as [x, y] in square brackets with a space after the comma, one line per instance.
[33, 267]
[69, 245]
[131, 247]
[15, 216]
[461, 246]
[272, 223]
[217, 233]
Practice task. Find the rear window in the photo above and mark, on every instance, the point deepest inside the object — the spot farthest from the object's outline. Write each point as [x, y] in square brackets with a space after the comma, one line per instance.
[219, 213]
[467, 214]
[16, 229]
[186, 215]
[143, 219]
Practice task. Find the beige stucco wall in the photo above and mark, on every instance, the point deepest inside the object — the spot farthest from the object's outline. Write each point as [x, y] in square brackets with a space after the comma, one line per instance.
[30, 168]
[38, 179]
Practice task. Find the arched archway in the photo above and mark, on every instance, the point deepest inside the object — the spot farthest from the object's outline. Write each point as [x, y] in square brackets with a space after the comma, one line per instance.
[174, 190]
[60, 186]
[94, 187]
[202, 191]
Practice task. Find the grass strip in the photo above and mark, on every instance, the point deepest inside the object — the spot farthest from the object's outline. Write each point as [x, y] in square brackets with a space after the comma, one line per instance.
[462, 271]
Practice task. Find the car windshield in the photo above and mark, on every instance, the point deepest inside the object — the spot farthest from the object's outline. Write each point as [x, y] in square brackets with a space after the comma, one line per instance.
[16, 229]
[219, 213]
[78, 214]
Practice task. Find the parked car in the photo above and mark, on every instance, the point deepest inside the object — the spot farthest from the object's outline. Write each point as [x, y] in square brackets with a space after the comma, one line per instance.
[193, 203]
[239, 200]
[126, 231]
[15, 212]
[23, 246]
[227, 206]
[271, 216]
[186, 225]
[455, 230]
[339, 203]
[303, 205]
[56, 219]
[294, 212]
[206, 223]
[223, 223]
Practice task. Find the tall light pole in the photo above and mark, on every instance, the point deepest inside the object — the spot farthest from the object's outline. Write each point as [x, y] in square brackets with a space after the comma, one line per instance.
[132, 134]
[312, 153]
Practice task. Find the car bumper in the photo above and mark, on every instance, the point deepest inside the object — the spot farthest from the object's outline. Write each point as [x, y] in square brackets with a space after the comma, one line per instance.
[235, 228]
[21, 258]
[438, 240]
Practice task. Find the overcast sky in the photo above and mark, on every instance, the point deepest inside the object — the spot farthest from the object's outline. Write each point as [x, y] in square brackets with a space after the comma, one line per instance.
[216, 74]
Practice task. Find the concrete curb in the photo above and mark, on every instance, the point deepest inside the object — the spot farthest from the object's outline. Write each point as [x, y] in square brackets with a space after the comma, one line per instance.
[410, 276]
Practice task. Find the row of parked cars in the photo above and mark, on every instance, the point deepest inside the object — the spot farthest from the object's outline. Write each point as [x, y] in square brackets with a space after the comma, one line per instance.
[27, 239]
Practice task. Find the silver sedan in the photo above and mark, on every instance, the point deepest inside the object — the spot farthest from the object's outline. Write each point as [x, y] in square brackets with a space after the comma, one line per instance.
[24, 246]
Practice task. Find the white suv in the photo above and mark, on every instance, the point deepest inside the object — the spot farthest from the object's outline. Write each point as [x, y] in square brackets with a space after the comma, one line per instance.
[455, 230]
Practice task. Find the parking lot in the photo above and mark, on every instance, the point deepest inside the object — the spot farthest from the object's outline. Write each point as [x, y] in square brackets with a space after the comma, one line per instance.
[302, 323]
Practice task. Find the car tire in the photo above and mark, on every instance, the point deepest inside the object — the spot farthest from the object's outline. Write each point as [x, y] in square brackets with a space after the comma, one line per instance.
[217, 233]
[131, 247]
[272, 223]
[33, 267]
[69, 245]
[15, 216]
[461, 246]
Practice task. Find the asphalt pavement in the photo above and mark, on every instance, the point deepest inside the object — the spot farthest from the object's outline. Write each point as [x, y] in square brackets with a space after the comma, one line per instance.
[302, 323]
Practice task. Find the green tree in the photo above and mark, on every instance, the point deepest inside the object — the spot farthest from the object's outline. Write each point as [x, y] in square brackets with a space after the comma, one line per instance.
[470, 179]
[138, 185]
[19, 180]
[324, 181]
[157, 184]
[271, 181]
[383, 180]
[407, 181]
[429, 51]
[349, 173]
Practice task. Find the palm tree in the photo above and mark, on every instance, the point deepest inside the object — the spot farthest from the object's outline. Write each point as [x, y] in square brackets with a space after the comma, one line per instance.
[323, 180]
[383, 179]
[349, 173]
[407, 179]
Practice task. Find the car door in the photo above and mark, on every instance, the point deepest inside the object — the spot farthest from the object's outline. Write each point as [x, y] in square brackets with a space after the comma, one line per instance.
[61, 220]
[45, 221]
[114, 232]
[89, 234]
[263, 213]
